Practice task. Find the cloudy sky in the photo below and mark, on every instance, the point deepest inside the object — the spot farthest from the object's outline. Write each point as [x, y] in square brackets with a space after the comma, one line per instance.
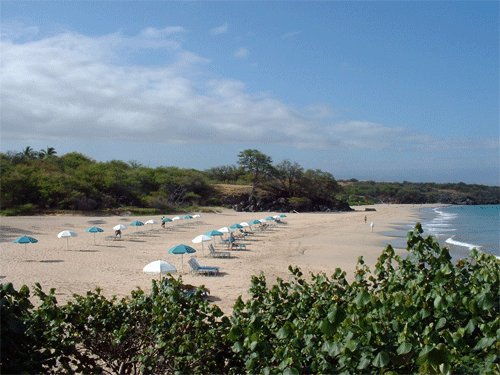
[386, 91]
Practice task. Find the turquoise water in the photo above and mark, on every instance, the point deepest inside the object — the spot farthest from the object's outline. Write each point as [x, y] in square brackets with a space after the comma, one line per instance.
[459, 228]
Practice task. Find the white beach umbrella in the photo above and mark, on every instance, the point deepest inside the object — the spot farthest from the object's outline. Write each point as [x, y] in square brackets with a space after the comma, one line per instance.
[151, 222]
[226, 230]
[176, 218]
[159, 267]
[120, 227]
[244, 224]
[202, 238]
[67, 234]
[196, 215]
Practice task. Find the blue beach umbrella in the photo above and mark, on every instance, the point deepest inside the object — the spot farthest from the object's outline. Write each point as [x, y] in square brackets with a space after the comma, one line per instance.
[213, 234]
[236, 226]
[94, 230]
[188, 217]
[166, 220]
[182, 249]
[137, 224]
[25, 240]
[270, 218]
[282, 215]
[255, 222]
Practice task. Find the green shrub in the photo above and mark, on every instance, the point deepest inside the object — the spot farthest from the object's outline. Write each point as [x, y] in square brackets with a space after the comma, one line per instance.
[419, 314]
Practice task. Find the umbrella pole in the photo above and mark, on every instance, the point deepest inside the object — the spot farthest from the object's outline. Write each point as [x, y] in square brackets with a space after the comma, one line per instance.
[94, 240]
[67, 242]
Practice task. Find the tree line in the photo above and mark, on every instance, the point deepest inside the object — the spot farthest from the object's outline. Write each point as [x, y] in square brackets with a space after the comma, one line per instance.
[418, 314]
[33, 181]
[36, 181]
[366, 192]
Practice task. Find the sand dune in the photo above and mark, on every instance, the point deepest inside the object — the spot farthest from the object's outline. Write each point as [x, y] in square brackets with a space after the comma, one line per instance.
[316, 242]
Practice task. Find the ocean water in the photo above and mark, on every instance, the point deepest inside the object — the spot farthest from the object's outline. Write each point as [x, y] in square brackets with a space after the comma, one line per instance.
[459, 228]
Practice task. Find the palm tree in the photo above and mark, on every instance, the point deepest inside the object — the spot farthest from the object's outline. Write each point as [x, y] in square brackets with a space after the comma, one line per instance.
[44, 154]
[27, 153]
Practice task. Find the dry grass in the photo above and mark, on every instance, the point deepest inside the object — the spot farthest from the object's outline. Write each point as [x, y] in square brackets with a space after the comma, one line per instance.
[228, 189]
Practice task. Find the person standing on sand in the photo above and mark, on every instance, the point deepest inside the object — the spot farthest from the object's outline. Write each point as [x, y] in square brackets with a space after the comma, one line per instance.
[372, 225]
[162, 222]
[365, 219]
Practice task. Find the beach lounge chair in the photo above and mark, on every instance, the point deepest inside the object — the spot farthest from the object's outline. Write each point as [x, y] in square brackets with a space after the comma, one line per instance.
[197, 269]
[218, 254]
[238, 246]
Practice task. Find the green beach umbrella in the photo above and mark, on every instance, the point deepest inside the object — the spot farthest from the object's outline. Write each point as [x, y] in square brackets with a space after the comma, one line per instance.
[182, 249]
[94, 230]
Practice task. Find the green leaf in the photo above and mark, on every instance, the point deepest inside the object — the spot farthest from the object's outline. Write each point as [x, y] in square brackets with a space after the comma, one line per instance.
[484, 343]
[485, 300]
[381, 359]
[404, 348]
[326, 327]
[364, 362]
[291, 371]
[441, 323]
[362, 298]
[283, 332]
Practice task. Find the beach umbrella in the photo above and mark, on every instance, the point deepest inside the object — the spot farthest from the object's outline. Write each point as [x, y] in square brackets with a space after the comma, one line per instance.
[94, 230]
[196, 215]
[176, 218]
[269, 218]
[254, 222]
[159, 267]
[119, 227]
[67, 234]
[226, 230]
[182, 249]
[213, 234]
[236, 226]
[25, 240]
[188, 217]
[202, 238]
[244, 224]
[166, 220]
[151, 222]
[282, 215]
[137, 224]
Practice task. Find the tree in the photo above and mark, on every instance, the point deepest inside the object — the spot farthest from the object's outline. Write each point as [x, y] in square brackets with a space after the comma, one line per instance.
[287, 177]
[28, 153]
[48, 152]
[256, 164]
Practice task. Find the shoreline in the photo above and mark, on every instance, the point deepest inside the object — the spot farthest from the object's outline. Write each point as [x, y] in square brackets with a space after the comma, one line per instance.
[314, 242]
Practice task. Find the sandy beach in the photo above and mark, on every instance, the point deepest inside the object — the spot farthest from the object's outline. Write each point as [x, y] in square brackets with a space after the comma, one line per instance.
[315, 242]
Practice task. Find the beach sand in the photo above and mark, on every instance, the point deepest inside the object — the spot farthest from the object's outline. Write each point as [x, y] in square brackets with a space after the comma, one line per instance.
[315, 242]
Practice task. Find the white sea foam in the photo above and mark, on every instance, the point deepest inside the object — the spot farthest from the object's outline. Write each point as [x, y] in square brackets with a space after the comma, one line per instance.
[451, 241]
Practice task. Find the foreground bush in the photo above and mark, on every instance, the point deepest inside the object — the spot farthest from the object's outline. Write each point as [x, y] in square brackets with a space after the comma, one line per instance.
[419, 314]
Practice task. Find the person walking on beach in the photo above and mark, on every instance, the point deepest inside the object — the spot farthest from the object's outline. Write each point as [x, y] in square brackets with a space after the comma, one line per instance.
[372, 225]
[365, 219]
[162, 222]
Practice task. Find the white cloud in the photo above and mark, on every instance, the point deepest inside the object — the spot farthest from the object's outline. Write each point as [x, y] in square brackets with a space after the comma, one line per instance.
[219, 30]
[241, 53]
[73, 87]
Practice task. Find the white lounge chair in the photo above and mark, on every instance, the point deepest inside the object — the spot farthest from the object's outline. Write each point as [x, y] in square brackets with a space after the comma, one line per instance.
[218, 254]
[197, 269]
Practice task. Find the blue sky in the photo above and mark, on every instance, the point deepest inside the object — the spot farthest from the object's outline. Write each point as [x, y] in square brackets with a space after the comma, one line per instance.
[385, 91]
